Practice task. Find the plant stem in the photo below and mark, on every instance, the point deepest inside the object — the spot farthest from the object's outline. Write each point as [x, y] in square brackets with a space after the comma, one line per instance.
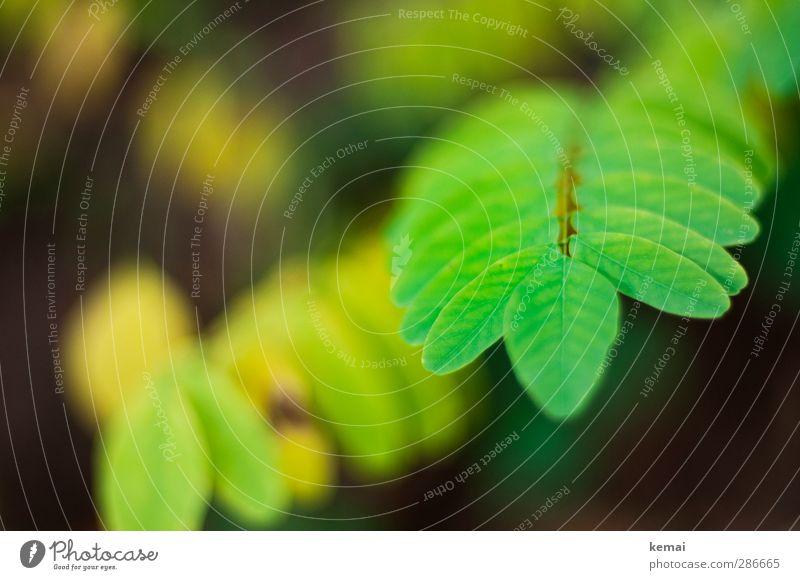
[566, 204]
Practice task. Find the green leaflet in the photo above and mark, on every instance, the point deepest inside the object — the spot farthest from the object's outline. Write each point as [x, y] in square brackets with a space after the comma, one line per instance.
[729, 54]
[558, 323]
[629, 193]
[653, 273]
[644, 224]
[242, 447]
[493, 150]
[709, 69]
[153, 471]
[457, 233]
[456, 273]
[473, 319]
[619, 153]
[777, 46]
[190, 435]
[384, 409]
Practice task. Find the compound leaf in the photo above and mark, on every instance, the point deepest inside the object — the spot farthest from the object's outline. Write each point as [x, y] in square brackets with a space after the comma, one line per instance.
[628, 193]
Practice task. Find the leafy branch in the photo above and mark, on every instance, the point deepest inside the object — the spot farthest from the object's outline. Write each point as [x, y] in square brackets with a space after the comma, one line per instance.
[530, 217]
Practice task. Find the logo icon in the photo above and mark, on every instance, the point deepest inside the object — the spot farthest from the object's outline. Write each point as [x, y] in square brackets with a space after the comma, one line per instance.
[401, 256]
[31, 553]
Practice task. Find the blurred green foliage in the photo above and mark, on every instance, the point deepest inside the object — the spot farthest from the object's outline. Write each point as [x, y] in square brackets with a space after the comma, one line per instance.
[248, 419]
[124, 328]
[312, 333]
[202, 122]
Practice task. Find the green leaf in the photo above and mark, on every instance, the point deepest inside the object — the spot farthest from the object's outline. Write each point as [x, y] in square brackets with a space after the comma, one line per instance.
[559, 325]
[242, 446]
[653, 274]
[486, 162]
[153, 472]
[437, 237]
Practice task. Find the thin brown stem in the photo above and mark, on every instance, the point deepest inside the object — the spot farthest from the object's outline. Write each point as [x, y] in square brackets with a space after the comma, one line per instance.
[566, 204]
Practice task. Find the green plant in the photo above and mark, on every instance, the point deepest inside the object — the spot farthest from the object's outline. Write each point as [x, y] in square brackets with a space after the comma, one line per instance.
[530, 213]
[248, 419]
[310, 339]
[190, 434]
